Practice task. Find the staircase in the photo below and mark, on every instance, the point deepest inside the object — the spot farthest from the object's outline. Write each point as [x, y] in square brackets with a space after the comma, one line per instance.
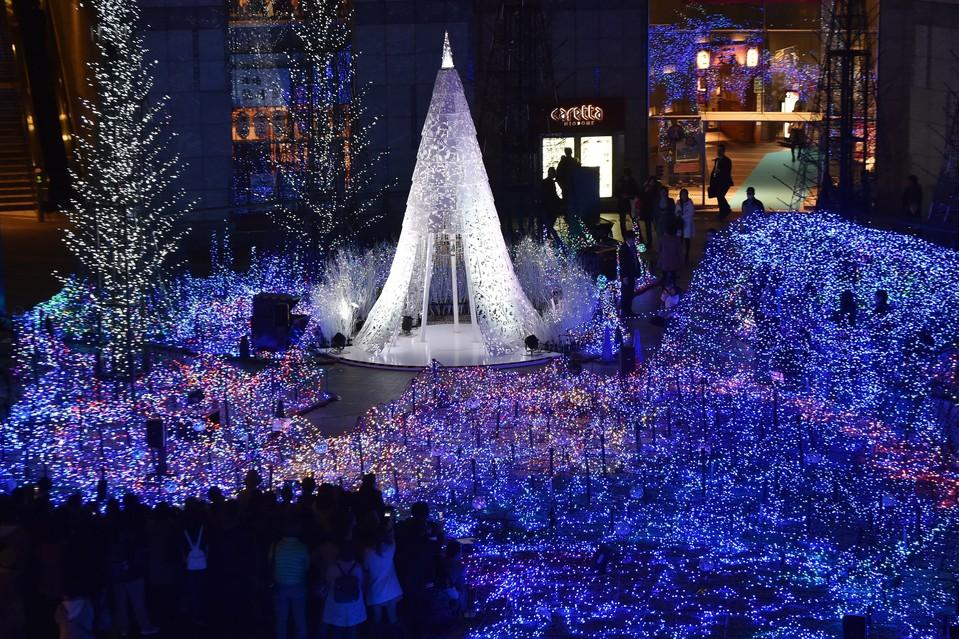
[16, 166]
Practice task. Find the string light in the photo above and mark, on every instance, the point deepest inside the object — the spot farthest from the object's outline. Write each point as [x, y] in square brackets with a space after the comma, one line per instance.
[777, 464]
[332, 173]
[125, 215]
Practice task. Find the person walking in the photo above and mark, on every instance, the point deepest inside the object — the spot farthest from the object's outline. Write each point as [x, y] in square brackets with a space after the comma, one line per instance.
[797, 140]
[751, 204]
[721, 180]
[687, 212]
[290, 561]
[674, 135]
[194, 595]
[626, 189]
[14, 561]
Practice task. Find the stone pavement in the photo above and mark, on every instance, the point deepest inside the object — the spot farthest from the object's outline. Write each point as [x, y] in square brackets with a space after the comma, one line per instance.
[362, 388]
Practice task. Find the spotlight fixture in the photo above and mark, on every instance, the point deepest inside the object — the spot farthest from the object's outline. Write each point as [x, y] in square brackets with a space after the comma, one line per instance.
[407, 325]
[532, 343]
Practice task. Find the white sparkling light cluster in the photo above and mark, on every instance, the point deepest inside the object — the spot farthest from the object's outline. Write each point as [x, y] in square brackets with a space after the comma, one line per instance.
[333, 170]
[124, 215]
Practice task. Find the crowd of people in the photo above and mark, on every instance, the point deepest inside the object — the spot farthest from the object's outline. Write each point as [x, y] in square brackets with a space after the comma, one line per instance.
[316, 561]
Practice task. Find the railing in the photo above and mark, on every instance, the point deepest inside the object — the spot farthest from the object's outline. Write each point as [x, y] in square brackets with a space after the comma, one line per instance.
[12, 47]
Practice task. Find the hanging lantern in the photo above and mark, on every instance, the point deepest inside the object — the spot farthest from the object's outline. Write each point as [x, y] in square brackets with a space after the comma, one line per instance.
[752, 57]
[702, 60]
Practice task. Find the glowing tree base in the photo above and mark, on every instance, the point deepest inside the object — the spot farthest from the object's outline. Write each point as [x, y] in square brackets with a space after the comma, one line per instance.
[448, 344]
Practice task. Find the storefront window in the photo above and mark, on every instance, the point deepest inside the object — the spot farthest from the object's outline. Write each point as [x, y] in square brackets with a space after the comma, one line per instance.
[598, 151]
[553, 149]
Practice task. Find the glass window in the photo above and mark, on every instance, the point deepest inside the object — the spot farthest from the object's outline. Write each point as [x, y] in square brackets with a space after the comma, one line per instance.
[598, 151]
[553, 149]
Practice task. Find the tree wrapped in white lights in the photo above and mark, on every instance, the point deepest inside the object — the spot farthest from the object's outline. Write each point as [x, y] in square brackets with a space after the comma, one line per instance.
[332, 170]
[450, 211]
[125, 210]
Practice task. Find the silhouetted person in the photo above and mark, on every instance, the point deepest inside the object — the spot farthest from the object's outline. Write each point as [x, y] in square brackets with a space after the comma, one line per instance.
[721, 180]
[549, 206]
[628, 271]
[664, 210]
[417, 555]
[648, 197]
[848, 310]
[797, 140]
[687, 213]
[751, 204]
[626, 190]
[289, 561]
[882, 307]
[912, 198]
[565, 171]
[669, 258]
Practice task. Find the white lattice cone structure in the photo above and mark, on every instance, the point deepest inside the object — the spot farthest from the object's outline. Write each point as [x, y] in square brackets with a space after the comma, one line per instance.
[450, 213]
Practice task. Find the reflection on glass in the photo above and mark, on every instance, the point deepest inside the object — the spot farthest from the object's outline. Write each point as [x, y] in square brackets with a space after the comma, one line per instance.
[598, 151]
[553, 149]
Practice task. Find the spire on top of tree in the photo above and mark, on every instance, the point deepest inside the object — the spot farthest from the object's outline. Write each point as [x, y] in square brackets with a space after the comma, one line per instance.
[447, 52]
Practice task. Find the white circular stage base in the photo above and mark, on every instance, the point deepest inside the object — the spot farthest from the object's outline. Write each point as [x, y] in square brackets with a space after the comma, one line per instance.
[451, 348]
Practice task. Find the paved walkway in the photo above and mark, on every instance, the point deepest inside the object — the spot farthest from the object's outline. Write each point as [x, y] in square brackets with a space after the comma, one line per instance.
[359, 389]
[362, 388]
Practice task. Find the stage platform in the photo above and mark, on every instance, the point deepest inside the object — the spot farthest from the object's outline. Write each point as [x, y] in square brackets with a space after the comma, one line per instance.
[450, 348]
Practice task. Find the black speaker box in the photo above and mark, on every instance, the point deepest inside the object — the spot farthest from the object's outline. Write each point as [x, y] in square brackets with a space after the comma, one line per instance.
[853, 627]
[156, 434]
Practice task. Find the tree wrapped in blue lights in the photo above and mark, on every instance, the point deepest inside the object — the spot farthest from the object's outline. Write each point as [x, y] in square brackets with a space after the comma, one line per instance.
[672, 54]
[780, 461]
[124, 217]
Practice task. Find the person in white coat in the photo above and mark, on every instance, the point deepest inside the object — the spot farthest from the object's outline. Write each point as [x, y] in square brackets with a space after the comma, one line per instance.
[686, 210]
[383, 589]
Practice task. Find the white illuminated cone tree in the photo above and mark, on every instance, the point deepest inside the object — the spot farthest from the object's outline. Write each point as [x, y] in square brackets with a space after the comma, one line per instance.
[450, 208]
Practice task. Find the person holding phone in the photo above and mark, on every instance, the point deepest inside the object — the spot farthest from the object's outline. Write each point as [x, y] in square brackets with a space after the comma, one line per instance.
[383, 590]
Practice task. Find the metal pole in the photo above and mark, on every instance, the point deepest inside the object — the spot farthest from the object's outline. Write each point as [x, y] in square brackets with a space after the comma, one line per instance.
[469, 293]
[456, 295]
[426, 285]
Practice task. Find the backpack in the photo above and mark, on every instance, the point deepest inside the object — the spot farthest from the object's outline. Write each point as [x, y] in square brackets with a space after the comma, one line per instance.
[346, 587]
[196, 558]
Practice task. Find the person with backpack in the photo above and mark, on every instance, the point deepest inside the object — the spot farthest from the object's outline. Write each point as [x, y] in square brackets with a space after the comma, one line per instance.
[290, 560]
[194, 602]
[344, 609]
